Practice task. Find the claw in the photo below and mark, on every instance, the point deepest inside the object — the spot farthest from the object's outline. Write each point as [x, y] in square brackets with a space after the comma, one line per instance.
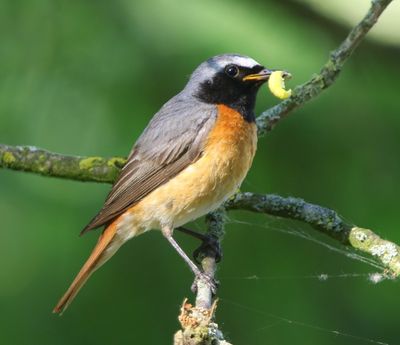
[209, 247]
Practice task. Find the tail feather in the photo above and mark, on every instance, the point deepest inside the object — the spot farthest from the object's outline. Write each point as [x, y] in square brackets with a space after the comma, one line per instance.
[99, 256]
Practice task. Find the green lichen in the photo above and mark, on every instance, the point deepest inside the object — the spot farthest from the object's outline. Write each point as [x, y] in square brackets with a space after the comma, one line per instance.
[8, 158]
[89, 163]
[198, 335]
[116, 162]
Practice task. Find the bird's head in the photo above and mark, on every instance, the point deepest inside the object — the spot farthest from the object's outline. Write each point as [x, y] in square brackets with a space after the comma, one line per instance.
[229, 79]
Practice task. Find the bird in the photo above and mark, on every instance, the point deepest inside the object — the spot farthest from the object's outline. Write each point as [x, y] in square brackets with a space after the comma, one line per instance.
[193, 155]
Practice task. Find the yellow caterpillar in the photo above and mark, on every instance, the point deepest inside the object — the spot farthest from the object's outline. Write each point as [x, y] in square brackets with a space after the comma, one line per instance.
[276, 84]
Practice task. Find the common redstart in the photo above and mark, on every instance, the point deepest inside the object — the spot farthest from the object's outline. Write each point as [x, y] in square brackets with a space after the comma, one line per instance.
[192, 156]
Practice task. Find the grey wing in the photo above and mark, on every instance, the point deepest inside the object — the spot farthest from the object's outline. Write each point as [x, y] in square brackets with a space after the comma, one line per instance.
[173, 140]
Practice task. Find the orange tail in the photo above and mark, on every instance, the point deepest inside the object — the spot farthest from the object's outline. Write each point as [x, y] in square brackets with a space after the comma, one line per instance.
[99, 256]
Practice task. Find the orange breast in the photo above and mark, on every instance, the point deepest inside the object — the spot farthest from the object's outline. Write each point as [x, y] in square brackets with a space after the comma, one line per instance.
[233, 137]
[230, 148]
[205, 184]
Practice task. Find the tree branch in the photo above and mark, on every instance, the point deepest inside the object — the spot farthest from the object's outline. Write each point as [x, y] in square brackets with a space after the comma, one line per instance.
[328, 74]
[324, 220]
[197, 322]
[42, 162]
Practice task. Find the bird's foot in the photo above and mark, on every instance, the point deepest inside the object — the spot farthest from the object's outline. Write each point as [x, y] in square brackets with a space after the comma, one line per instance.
[209, 247]
[204, 278]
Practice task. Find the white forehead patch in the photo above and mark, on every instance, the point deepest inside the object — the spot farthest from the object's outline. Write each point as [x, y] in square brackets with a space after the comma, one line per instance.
[243, 61]
[208, 69]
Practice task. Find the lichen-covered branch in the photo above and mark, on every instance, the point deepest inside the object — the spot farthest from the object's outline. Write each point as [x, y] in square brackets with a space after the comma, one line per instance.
[198, 321]
[215, 222]
[324, 220]
[328, 74]
[39, 161]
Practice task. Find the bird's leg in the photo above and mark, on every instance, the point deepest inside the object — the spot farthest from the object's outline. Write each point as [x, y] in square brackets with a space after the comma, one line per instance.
[167, 232]
[210, 245]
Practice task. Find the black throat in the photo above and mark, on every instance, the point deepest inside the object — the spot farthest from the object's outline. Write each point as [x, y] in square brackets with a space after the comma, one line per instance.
[232, 92]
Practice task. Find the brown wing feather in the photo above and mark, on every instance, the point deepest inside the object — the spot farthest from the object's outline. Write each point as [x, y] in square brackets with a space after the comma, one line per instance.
[167, 146]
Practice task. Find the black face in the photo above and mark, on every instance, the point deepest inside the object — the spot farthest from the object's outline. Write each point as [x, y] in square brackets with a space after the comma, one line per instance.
[228, 87]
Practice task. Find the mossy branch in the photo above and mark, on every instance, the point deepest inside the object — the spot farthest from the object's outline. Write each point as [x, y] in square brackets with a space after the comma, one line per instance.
[328, 74]
[324, 220]
[197, 321]
[46, 163]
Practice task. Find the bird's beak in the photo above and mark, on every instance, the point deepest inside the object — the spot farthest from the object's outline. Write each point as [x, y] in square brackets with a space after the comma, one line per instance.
[260, 76]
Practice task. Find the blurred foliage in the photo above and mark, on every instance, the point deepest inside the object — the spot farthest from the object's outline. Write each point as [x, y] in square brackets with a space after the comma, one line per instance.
[84, 77]
[347, 12]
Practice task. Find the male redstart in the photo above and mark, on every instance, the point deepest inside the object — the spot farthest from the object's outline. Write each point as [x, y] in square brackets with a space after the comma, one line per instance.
[192, 156]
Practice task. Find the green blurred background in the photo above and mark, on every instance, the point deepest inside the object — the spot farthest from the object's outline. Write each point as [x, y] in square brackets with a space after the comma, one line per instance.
[84, 77]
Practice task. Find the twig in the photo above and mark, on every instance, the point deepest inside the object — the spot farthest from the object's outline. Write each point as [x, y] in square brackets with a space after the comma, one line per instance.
[324, 220]
[328, 74]
[42, 162]
[197, 322]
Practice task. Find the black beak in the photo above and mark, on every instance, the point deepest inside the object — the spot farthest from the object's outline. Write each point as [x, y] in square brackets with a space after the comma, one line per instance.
[260, 76]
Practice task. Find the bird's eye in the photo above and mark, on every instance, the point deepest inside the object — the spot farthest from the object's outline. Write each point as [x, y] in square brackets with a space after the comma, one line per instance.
[232, 71]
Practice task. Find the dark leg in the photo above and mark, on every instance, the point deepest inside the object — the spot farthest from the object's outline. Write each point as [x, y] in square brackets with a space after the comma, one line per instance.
[199, 275]
[210, 245]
